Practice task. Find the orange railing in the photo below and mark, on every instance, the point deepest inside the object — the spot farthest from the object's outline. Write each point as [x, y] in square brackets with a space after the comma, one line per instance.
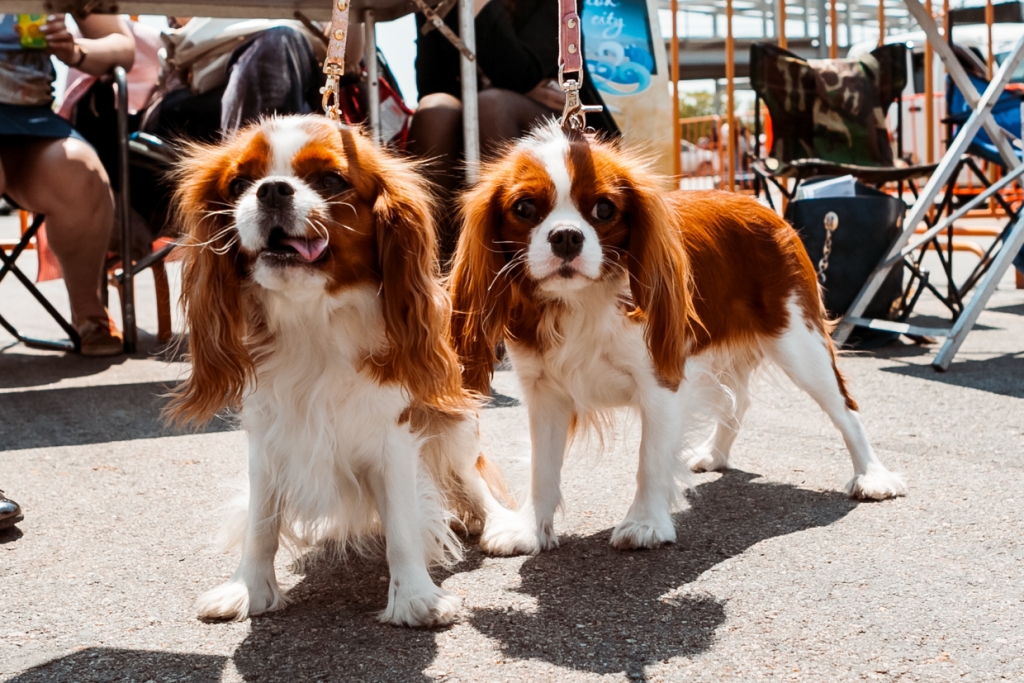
[703, 161]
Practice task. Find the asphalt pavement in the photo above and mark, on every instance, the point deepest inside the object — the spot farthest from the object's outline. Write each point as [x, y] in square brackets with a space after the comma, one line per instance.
[776, 575]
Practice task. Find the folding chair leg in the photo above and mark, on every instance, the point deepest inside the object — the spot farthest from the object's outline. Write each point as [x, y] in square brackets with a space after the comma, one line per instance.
[73, 342]
[976, 305]
[163, 302]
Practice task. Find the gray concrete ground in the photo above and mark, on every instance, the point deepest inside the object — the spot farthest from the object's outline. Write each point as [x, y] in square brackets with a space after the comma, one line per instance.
[776, 574]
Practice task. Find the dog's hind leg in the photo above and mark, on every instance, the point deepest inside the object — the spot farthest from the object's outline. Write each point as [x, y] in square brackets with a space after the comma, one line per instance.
[733, 402]
[253, 588]
[806, 354]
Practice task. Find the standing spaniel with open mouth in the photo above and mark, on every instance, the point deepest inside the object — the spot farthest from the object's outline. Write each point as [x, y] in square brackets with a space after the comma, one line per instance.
[312, 299]
[610, 291]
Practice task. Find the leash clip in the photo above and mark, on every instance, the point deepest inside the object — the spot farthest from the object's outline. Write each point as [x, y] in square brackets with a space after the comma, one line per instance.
[574, 113]
[331, 92]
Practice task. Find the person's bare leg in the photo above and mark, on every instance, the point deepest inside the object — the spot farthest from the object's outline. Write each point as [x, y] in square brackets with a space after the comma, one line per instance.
[435, 135]
[506, 115]
[65, 180]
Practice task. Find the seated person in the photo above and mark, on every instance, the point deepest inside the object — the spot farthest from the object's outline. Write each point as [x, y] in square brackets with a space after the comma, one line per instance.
[517, 55]
[210, 85]
[45, 166]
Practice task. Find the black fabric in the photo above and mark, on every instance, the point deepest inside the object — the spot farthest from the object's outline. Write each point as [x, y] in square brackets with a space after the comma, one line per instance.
[515, 51]
[273, 72]
[868, 225]
[39, 122]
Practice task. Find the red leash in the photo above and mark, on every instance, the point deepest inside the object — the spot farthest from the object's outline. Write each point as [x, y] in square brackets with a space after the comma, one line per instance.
[571, 68]
[334, 64]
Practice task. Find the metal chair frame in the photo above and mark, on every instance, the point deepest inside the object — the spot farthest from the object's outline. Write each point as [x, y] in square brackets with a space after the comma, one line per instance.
[997, 260]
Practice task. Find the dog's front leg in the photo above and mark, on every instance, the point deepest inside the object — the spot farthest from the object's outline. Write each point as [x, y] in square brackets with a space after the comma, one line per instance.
[407, 503]
[649, 520]
[531, 528]
[253, 588]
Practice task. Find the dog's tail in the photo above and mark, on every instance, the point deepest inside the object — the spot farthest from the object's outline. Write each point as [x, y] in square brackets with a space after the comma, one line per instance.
[495, 480]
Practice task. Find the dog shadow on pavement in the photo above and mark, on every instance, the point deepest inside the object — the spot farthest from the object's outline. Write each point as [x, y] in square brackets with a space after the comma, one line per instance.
[599, 610]
[330, 632]
[606, 611]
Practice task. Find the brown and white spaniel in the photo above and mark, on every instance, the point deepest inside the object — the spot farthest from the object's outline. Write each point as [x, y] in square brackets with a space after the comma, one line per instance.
[610, 291]
[313, 305]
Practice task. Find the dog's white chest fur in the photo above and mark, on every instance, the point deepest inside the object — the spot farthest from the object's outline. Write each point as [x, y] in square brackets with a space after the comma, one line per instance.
[595, 354]
[316, 412]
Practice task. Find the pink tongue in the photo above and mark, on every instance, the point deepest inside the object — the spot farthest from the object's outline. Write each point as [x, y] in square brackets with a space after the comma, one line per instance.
[309, 249]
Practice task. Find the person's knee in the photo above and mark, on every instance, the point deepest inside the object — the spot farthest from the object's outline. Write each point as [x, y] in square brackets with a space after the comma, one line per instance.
[436, 115]
[74, 179]
[497, 104]
[438, 106]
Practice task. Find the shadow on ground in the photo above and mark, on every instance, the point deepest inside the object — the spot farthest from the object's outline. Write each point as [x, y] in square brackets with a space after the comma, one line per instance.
[114, 664]
[35, 370]
[598, 610]
[601, 610]
[19, 370]
[1003, 375]
[74, 416]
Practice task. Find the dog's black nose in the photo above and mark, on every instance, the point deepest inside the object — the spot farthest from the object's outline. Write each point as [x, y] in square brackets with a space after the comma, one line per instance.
[275, 193]
[566, 243]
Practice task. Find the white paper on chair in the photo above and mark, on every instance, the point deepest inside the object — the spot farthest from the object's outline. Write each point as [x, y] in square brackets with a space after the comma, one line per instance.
[843, 186]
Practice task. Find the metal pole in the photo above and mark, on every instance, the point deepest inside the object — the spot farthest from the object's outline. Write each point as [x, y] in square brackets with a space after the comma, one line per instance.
[833, 20]
[470, 112]
[730, 76]
[989, 20]
[929, 96]
[780, 23]
[370, 57]
[822, 30]
[881, 23]
[124, 210]
[677, 164]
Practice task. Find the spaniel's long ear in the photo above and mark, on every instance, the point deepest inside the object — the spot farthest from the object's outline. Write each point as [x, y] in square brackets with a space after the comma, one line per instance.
[416, 307]
[481, 298]
[659, 276]
[211, 295]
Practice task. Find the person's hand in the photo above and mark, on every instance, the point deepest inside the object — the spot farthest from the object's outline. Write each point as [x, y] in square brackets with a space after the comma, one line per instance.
[59, 40]
[548, 94]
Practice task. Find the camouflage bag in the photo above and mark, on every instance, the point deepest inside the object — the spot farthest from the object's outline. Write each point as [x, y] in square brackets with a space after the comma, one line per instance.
[829, 109]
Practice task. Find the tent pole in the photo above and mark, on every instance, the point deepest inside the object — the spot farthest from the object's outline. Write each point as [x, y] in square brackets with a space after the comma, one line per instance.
[780, 23]
[730, 77]
[677, 164]
[929, 96]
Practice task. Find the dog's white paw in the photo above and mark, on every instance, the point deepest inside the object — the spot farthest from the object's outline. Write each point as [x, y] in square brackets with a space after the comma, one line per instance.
[517, 534]
[707, 460]
[235, 600]
[876, 484]
[649, 532]
[423, 606]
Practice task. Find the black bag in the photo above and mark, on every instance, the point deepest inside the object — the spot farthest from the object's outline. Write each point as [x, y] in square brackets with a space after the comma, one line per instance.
[867, 226]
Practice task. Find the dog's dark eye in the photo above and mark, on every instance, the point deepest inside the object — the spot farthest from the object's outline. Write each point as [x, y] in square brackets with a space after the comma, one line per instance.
[238, 186]
[334, 183]
[603, 210]
[526, 210]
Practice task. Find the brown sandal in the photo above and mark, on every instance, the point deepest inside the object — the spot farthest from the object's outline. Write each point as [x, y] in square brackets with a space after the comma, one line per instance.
[99, 337]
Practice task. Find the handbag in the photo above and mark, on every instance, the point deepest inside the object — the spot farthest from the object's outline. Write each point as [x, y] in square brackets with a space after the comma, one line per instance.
[863, 228]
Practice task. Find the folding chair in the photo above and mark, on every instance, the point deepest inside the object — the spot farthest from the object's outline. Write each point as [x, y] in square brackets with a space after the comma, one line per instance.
[967, 299]
[828, 117]
[9, 258]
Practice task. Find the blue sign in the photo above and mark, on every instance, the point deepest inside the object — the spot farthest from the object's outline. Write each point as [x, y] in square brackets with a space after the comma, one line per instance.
[619, 46]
